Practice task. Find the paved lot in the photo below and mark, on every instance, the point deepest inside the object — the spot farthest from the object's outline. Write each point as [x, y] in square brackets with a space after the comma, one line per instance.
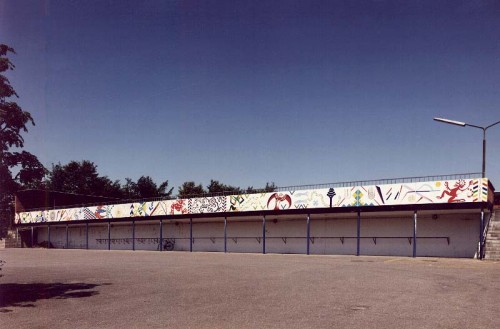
[126, 289]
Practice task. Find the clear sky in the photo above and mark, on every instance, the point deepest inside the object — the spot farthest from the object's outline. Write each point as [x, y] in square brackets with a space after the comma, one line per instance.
[246, 92]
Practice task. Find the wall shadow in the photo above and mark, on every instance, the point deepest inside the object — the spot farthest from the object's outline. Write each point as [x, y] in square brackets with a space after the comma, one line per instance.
[26, 294]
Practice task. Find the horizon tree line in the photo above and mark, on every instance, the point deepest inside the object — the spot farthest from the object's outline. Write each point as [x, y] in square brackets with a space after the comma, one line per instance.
[82, 177]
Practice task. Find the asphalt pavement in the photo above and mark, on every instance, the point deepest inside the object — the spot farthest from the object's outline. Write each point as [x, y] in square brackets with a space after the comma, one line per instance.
[144, 289]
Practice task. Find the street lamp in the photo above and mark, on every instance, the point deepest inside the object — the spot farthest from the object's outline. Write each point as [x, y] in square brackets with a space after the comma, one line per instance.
[463, 124]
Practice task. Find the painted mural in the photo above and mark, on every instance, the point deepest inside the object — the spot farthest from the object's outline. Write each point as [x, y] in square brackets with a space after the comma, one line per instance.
[451, 191]
[207, 205]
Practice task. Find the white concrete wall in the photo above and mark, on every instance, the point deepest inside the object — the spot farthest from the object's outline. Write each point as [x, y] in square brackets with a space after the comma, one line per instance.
[381, 229]
[463, 231]
[76, 237]
[281, 236]
[207, 236]
[326, 234]
[178, 233]
[244, 236]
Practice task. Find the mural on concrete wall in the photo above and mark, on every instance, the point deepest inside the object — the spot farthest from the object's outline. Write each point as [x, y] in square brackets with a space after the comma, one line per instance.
[177, 207]
[207, 205]
[453, 191]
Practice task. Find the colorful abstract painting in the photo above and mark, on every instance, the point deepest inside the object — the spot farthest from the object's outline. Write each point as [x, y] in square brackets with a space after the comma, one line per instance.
[433, 192]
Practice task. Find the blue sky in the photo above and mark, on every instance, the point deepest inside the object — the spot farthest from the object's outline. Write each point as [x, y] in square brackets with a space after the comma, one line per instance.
[246, 92]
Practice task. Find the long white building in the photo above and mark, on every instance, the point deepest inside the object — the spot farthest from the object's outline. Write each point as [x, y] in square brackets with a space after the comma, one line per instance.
[435, 216]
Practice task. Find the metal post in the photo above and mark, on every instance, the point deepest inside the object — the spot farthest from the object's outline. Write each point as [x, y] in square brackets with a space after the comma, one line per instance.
[133, 235]
[481, 232]
[161, 235]
[67, 234]
[32, 238]
[190, 234]
[48, 236]
[17, 237]
[86, 235]
[358, 233]
[109, 235]
[225, 234]
[308, 236]
[484, 153]
[415, 233]
[264, 234]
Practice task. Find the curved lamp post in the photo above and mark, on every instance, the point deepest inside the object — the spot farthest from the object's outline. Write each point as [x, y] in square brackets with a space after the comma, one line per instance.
[463, 124]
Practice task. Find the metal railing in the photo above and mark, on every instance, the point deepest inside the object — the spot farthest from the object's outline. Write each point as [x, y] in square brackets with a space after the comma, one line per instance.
[383, 181]
[486, 228]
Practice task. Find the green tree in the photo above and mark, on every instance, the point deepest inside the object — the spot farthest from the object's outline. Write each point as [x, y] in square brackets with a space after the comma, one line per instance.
[145, 187]
[129, 189]
[164, 191]
[217, 188]
[190, 190]
[18, 169]
[270, 187]
[82, 178]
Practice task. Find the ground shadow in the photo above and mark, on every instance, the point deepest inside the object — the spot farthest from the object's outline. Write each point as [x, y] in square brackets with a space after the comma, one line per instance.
[25, 294]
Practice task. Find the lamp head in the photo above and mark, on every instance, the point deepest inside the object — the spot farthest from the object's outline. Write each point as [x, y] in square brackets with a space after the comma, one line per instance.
[451, 122]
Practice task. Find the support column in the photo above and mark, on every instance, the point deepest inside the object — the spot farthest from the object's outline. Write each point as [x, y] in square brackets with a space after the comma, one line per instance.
[109, 235]
[32, 236]
[225, 234]
[190, 234]
[308, 232]
[86, 235]
[133, 235]
[17, 237]
[48, 236]
[264, 234]
[161, 235]
[481, 233]
[415, 233]
[358, 233]
[67, 238]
